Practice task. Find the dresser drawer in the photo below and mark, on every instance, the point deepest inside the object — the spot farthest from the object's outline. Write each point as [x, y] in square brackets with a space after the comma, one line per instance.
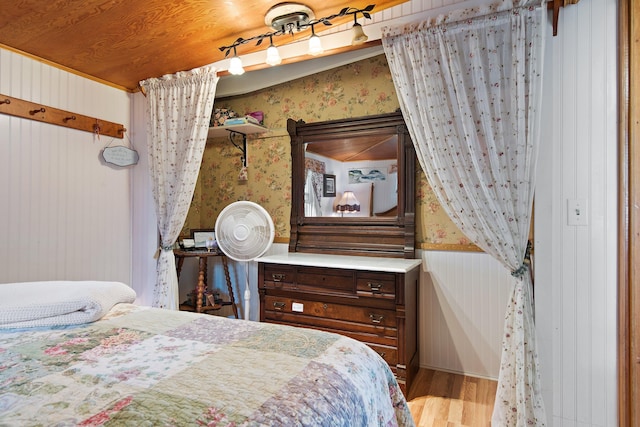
[389, 354]
[326, 280]
[322, 281]
[379, 285]
[277, 276]
[335, 326]
[368, 324]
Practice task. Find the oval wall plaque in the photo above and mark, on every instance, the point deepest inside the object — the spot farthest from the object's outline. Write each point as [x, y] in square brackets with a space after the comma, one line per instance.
[120, 156]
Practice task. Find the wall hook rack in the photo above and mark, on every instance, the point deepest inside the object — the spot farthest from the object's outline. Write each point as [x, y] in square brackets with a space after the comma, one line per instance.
[32, 111]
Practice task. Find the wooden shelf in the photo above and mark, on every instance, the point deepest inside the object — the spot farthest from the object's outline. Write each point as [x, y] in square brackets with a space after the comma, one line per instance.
[245, 129]
[241, 130]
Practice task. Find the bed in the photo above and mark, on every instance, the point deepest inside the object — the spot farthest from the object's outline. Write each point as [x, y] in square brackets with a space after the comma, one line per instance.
[123, 364]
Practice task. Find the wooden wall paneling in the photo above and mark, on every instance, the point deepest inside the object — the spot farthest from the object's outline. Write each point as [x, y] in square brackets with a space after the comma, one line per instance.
[629, 215]
[634, 216]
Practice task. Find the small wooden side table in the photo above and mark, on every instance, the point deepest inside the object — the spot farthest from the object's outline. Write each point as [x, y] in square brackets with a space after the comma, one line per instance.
[202, 256]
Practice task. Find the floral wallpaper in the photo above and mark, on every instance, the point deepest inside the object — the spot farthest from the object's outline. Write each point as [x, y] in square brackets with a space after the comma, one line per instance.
[358, 89]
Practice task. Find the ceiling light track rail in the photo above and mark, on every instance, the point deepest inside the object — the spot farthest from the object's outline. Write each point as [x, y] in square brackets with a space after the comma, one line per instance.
[29, 110]
[295, 18]
[298, 25]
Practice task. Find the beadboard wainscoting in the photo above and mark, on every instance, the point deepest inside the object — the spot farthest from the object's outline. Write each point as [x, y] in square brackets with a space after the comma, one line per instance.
[576, 282]
[143, 214]
[463, 299]
[64, 212]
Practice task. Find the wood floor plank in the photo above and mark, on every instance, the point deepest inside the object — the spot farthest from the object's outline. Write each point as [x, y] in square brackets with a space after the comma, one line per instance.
[416, 407]
[455, 411]
[470, 398]
[439, 399]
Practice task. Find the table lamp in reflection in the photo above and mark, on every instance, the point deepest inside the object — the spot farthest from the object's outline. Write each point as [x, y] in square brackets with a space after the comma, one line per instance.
[348, 203]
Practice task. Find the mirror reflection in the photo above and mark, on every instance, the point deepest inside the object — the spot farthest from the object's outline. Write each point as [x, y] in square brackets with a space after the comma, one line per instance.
[351, 177]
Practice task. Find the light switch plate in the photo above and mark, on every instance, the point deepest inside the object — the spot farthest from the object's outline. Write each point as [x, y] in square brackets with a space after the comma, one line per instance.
[577, 212]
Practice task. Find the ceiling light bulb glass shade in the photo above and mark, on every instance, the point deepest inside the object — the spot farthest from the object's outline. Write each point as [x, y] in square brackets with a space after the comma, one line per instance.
[315, 46]
[359, 36]
[235, 66]
[273, 56]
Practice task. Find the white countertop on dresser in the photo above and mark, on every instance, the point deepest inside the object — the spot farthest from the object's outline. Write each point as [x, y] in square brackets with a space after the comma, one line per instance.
[393, 265]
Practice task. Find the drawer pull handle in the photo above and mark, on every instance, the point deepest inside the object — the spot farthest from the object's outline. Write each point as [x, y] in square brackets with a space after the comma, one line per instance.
[376, 288]
[376, 318]
[278, 277]
[278, 306]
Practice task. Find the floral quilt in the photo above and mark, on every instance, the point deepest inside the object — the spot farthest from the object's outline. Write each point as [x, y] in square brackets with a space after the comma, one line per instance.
[142, 366]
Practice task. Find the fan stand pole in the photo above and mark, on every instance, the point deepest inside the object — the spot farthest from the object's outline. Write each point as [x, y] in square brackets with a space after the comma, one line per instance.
[247, 292]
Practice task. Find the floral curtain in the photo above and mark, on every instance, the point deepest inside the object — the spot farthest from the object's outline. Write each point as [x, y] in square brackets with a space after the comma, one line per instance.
[178, 112]
[470, 86]
[314, 171]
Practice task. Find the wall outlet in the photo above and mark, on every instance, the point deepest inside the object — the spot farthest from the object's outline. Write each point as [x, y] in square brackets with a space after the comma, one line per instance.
[577, 212]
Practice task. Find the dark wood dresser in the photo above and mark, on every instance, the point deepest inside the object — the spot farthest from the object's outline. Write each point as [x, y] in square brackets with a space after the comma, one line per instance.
[370, 299]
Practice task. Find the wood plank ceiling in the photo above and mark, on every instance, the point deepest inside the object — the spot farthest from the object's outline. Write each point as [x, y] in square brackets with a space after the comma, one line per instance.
[121, 42]
[364, 148]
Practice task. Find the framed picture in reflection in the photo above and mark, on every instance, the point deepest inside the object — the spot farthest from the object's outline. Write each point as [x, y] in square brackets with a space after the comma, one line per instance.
[328, 185]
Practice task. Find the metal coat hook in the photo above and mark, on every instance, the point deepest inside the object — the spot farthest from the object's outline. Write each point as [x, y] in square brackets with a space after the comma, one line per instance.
[97, 129]
[6, 101]
[66, 119]
[38, 110]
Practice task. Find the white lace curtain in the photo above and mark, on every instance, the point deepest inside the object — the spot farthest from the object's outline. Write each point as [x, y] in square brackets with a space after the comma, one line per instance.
[178, 111]
[312, 193]
[314, 170]
[470, 87]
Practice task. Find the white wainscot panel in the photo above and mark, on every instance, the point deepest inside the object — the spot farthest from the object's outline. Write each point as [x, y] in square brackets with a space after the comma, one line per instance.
[462, 302]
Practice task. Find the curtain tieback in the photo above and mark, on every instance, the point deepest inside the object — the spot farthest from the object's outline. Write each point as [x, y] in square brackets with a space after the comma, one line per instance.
[519, 272]
[162, 248]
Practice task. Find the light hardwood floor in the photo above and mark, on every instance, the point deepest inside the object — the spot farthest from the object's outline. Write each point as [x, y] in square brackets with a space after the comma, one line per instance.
[442, 399]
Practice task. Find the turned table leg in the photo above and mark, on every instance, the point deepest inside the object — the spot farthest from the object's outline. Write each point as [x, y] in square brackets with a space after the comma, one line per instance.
[201, 282]
[229, 287]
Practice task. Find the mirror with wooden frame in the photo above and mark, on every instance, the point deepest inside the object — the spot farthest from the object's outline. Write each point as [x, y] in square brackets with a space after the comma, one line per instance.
[353, 184]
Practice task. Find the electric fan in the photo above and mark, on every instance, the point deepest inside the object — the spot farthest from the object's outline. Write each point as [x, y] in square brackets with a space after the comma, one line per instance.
[244, 231]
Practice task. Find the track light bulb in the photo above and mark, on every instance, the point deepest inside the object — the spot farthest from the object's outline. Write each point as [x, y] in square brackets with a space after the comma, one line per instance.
[235, 66]
[359, 36]
[273, 56]
[315, 46]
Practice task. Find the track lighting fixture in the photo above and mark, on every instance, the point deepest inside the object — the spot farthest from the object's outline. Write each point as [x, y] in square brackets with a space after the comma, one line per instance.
[287, 18]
